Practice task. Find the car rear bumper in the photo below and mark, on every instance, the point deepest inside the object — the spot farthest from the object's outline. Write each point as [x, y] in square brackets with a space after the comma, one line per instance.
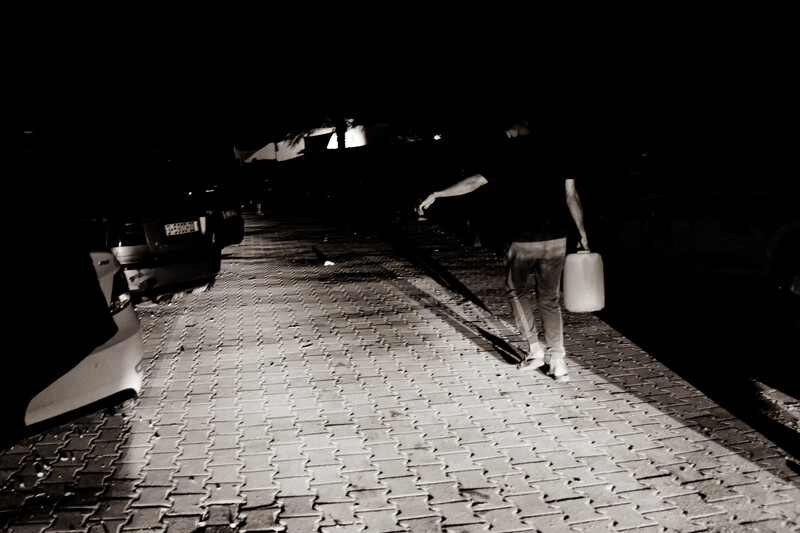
[160, 277]
[112, 368]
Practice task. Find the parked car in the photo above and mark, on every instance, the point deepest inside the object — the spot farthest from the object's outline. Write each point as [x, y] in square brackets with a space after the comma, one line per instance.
[164, 248]
[164, 238]
[113, 368]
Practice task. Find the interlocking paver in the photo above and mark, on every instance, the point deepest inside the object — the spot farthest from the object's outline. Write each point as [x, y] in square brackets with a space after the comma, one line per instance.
[625, 517]
[224, 493]
[363, 396]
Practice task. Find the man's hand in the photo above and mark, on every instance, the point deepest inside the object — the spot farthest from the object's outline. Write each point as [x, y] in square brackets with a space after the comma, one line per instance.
[425, 204]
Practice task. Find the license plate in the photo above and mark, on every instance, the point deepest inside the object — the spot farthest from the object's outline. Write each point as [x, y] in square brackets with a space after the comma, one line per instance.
[181, 228]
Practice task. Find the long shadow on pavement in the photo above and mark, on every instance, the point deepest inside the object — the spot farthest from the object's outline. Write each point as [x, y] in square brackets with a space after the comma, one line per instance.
[731, 390]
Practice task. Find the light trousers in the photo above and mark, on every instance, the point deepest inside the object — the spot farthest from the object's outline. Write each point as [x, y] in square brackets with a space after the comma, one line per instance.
[544, 262]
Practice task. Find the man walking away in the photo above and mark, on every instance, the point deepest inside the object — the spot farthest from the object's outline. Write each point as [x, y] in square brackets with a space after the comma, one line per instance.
[536, 187]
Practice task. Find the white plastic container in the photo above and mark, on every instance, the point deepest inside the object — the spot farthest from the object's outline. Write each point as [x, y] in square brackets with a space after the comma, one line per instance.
[584, 285]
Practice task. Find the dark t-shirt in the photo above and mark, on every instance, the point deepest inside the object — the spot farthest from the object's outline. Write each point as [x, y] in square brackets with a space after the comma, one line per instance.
[526, 180]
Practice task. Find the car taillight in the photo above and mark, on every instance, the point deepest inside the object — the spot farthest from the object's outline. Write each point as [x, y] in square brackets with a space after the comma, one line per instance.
[120, 294]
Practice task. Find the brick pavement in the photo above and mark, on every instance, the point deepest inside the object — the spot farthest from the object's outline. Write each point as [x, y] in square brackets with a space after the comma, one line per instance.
[363, 395]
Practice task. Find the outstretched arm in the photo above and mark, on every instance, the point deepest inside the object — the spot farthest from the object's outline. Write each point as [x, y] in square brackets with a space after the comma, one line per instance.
[465, 186]
[576, 210]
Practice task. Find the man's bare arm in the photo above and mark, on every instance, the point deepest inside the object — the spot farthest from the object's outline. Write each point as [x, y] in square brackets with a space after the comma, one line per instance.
[465, 186]
[576, 210]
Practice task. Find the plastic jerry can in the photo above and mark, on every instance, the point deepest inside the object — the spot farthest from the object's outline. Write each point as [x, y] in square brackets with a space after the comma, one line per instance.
[584, 285]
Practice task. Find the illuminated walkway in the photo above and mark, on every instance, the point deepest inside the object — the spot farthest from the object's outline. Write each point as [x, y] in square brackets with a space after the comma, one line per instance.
[331, 380]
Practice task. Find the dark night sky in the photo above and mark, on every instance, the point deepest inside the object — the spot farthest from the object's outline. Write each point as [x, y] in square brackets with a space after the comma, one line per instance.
[716, 78]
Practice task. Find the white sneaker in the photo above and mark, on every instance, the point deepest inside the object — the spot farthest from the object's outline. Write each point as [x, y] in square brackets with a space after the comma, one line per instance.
[558, 370]
[534, 359]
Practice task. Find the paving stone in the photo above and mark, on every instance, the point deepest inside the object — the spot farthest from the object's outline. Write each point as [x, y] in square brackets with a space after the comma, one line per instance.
[179, 524]
[432, 524]
[622, 481]
[560, 459]
[521, 454]
[457, 514]
[386, 450]
[554, 522]
[224, 494]
[257, 462]
[411, 442]
[189, 484]
[257, 498]
[220, 444]
[419, 457]
[602, 495]
[152, 497]
[486, 499]
[336, 514]
[389, 468]
[381, 521]
[288, 451]
[412, 507]
[403, 486]
[601, 436]
[625, 517]
[674, 521]
[257, 480]
[498, 467]
[146, 518]
[538, 472]
[471, 480]
[186, 505]
[641, 468]
[285, 468]
[443, 492]
[513, 483]
[301, 523]
[364, 480]
[192, 467]
[294, 506]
